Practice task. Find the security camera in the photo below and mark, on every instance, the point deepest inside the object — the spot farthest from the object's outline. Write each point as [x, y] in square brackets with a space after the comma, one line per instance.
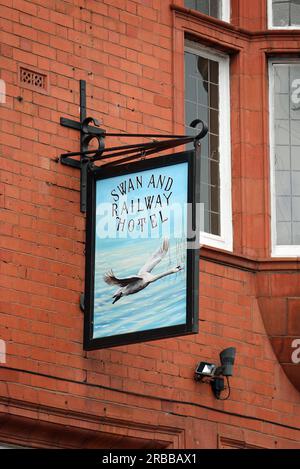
[213, 375]
[227, 357]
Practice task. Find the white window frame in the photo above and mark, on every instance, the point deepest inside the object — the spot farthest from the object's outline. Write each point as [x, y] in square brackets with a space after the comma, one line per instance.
[226, 13]
[270, 19]
[276, 250]
[225, 240]
[225, 8]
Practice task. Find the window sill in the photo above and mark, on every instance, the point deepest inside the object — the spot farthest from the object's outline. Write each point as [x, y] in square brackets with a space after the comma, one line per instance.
[286, 252]
[216, 242]
[284, 28]
[251, 264]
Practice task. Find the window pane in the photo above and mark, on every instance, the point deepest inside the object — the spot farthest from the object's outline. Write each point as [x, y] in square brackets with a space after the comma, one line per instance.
[214, 121]
[203, 103]
[208, 7]
[214, 72]
[296, 233]
[295, 132]
[284, 209]
[213, 96]
[287, 152]
[215, 222]
[282, 106]
[286, 13]
[295, 12]
[203, 68]
[294, 74]
[191, 89]
[214, 147]
[203, 92]
[296, 208]
[281, 79]
[281, 12]
[203, 6]
[215, 8]
[191, 111]
[283, 183]
[203, 113]
[282, 131]
[282, 157]
[296, 183]
[190, 4]
[284, 234]
[296, 158]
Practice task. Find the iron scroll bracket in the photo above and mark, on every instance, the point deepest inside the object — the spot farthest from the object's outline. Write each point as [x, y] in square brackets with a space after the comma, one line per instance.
[90, 130]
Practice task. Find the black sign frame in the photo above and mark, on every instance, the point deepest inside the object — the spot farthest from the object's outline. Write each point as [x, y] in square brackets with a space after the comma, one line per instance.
[192, 260]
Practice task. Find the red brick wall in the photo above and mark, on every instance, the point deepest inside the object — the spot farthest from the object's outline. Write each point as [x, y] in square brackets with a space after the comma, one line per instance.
[144, 394]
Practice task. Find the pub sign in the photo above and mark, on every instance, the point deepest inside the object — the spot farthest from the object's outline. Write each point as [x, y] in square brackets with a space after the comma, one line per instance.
[142, 251]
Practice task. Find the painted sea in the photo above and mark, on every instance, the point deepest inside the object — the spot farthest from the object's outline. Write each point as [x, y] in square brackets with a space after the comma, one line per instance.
[161, 304]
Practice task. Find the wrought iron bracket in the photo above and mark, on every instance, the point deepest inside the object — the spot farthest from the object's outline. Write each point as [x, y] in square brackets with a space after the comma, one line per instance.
[87, 134]
[119, 154]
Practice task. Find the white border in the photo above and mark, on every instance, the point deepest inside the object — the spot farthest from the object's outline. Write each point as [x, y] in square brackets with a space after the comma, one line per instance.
[226, 13]
[270, 19]
[282, 250]
[224, 241]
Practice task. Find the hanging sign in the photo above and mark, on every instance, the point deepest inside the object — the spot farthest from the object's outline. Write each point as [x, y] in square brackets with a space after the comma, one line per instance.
[142, 251]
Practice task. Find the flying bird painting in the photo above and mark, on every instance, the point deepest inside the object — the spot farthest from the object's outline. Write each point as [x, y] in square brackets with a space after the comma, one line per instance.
[134, 284]
[140, 268]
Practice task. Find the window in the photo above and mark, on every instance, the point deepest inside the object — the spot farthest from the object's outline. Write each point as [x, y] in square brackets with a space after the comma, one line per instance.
[207, 98]
[285, 157]
[216, 8]
[284, 13]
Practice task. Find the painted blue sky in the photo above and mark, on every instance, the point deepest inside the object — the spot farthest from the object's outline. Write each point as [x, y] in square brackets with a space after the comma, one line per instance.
[174, 197]
[162, 303]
